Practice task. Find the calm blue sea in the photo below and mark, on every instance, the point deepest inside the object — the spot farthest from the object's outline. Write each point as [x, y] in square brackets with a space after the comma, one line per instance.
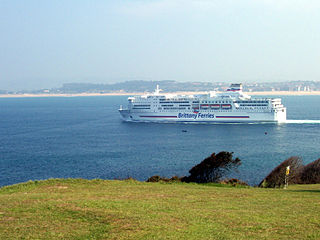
[84, 137]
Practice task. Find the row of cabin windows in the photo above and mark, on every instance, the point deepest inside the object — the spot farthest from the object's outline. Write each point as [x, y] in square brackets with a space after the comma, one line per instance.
[174, 108]
[254, 105]
[172, 99]
[175, 102]
[251, 101]
[199, 102]
[216, 102]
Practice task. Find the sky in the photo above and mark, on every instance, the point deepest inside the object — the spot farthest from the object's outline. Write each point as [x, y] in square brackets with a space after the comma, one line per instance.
[44, 44]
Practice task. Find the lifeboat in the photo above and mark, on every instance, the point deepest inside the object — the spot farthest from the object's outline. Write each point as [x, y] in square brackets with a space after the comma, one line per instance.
[214, 106]
[204, 106]
[226, 106]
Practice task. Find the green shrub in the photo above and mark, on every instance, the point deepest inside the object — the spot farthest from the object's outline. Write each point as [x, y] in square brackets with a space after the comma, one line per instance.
[157, 178]
[276, 178]
[234, 182]
[310, 174]
[213, 168]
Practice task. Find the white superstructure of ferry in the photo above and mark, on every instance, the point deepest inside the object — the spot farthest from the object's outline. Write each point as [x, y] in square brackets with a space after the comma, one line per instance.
[230, 106]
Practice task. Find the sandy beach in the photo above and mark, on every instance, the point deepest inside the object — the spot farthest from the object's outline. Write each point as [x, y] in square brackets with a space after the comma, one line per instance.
[267, 93]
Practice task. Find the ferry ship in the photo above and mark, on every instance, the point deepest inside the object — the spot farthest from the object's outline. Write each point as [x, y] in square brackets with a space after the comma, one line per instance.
[230, 106]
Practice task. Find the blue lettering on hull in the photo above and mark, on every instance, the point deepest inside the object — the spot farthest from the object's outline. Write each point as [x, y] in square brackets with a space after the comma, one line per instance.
[195, 115]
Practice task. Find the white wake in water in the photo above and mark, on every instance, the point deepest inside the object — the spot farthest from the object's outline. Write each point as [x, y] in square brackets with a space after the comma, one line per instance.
[303, 121]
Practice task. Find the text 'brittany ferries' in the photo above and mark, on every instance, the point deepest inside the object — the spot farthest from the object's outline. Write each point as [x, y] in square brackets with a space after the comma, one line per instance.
[195, 115]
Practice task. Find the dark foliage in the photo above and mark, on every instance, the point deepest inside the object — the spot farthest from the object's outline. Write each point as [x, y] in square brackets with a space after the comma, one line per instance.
[310, 174]
[213, 168]
[234, 182]
[276, 177]
[157, 178]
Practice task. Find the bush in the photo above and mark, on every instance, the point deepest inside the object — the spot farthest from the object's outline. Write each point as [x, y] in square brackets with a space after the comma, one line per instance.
[157, 178]
[234, 182]
[213, 168]
[276, 178]
[310, 174]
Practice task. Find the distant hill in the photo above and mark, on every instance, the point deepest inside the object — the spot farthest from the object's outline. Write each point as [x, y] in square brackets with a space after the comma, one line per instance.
[173, 86]
[139, 86]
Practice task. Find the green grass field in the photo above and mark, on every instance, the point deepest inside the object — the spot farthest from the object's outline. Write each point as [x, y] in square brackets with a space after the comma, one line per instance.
[99, 209]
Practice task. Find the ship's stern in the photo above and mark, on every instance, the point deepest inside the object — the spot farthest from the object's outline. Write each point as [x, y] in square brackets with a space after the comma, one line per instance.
[281, 115]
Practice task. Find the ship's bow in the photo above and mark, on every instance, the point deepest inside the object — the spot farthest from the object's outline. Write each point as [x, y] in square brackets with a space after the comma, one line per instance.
[125, 114]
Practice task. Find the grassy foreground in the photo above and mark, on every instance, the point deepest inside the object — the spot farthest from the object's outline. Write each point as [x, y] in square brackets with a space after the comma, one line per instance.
[99, 209]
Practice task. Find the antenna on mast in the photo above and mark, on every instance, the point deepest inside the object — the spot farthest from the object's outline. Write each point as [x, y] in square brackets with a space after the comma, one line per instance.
[157, 90]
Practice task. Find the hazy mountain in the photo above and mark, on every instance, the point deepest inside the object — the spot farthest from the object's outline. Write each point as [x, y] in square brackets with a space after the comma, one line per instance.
[174, 86]
[138, 86]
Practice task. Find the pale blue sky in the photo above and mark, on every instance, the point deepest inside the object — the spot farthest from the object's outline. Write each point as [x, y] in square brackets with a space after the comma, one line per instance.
[46, 43]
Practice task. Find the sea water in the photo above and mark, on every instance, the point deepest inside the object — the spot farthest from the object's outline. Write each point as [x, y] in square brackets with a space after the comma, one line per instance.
[84, 137]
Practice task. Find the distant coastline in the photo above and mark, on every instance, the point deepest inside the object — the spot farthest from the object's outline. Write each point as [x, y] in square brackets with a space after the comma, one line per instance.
[139, 87]
[271, 93]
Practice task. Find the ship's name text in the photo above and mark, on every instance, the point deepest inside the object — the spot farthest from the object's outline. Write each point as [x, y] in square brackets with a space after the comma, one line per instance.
[195, 115]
